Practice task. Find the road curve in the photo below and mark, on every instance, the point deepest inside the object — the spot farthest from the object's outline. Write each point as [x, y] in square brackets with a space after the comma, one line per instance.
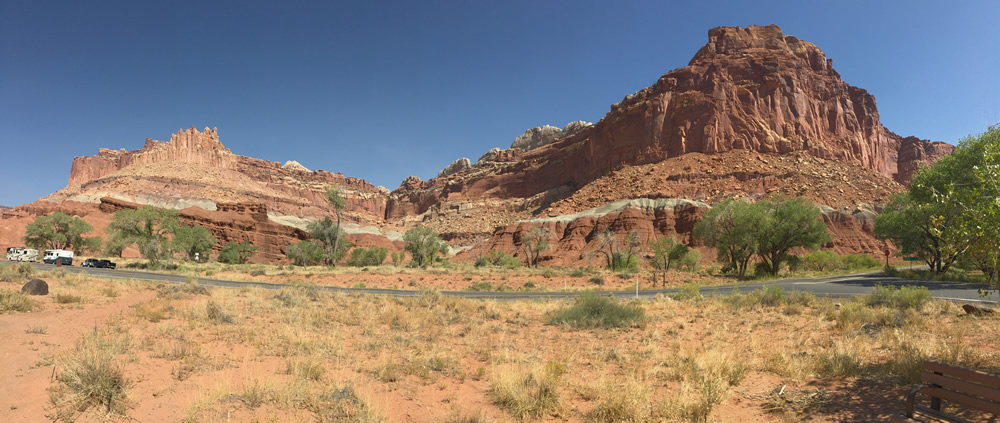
[832, 286]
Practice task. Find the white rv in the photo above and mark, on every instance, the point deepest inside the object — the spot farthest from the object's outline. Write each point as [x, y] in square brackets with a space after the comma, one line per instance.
[63, 256]
[22, 254]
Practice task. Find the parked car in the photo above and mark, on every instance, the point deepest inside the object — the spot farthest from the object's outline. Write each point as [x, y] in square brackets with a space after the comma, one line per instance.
[99, 264]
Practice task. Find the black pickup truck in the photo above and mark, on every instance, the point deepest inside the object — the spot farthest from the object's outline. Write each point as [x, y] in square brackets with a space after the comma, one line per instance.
[99, 264]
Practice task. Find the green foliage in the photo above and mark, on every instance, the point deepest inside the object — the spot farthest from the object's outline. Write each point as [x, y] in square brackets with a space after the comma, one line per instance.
[498, 259]
[768, 229]
[820, 260]
[597, 280]
[690, 260]
[534, 242]
[903, 297]
[305, 253]
[233, 253]
[732, 227]
[480, 286]
[789, 224]
[794, 263]
[619, 255]
[60, 231]
[373, 256]
[191, 240]
[624, 261]
[331, 237]
[146, 227]
[593, 311]
[940, 219]
[688, 291]
[856, 261]
[423, 245]
[399, 257]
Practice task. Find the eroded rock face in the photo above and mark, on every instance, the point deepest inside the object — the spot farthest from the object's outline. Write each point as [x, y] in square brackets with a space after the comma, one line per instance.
[747, 89]
[455, 167]
[544, 135]
[194, 168]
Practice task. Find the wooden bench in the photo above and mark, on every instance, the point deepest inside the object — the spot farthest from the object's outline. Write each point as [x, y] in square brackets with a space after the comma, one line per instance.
[970, 389]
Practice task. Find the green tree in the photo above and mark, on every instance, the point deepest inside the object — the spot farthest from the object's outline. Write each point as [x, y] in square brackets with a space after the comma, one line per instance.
[147, 227]
[59, 231]
[910, 224]
[661, 248]
[328, 233]
[788, 224]
[732, 227]
[305, 253]
[236, 253]
[619, 255]
[423, 244]
[191, 240]
[534, 242]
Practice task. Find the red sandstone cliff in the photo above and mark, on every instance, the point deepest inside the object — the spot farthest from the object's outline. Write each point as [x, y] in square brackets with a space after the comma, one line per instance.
[746, 89]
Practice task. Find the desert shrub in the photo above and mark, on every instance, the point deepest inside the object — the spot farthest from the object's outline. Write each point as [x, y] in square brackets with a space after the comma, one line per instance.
[361, 257]
[67, 299]
[597, 280]
[593, 311]
[180, 291]
[820, 260]
[579, 272]
[904, 297]
[803, 298]
[690, 260]
[859, 261]
[771, 296]
[15, 301]
[688, 291]
[233, 253]
[90, 375]
[481, 286]
[526, 394]
[761, 269]
[16, 272]
[343, 404]
[548, 274]
[305, 253]
[216, 314]
[258, 272]
[498, 259]
[621, 403]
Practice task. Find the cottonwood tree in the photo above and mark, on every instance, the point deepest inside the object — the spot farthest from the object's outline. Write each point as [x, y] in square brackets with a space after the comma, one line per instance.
[423, 244]
[59, 231]
[788, 224]
[732, 227]
[147, 227]
[305, 253]
[328, 233]
[236, 253]
[193, 241]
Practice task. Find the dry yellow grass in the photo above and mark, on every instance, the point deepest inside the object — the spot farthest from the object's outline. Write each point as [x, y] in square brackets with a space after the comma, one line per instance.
[300, 354]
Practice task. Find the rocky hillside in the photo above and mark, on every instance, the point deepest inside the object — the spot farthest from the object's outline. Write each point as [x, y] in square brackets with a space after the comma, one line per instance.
[754, 113]
[195, 169]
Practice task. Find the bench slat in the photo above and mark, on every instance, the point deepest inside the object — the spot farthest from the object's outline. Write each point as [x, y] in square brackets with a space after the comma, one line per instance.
[928, 414]
[962, 373]
[985, 392]
[962, 399]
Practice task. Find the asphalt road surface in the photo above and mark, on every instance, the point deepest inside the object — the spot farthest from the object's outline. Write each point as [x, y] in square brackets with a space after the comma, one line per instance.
[833, 286]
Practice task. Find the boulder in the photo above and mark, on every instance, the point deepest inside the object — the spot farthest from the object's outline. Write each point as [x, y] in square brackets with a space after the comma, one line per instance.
[35, 287]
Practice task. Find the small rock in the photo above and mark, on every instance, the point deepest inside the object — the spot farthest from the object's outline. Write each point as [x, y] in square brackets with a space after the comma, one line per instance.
[979, 311]
[35, 287]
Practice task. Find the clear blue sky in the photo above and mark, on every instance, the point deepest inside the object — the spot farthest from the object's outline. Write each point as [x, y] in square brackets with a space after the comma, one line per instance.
[383, 90]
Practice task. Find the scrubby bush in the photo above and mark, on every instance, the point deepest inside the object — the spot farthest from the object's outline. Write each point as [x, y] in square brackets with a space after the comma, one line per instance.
[597, 280]
[593, 311]
[903, 297]
[820, 260]
[688, 291]
[859, 261]
[305, 253]
[373, 256]
[14, 301]
[498, 259]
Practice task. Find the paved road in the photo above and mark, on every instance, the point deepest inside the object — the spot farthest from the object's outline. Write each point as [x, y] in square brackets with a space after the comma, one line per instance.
[833, 286]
